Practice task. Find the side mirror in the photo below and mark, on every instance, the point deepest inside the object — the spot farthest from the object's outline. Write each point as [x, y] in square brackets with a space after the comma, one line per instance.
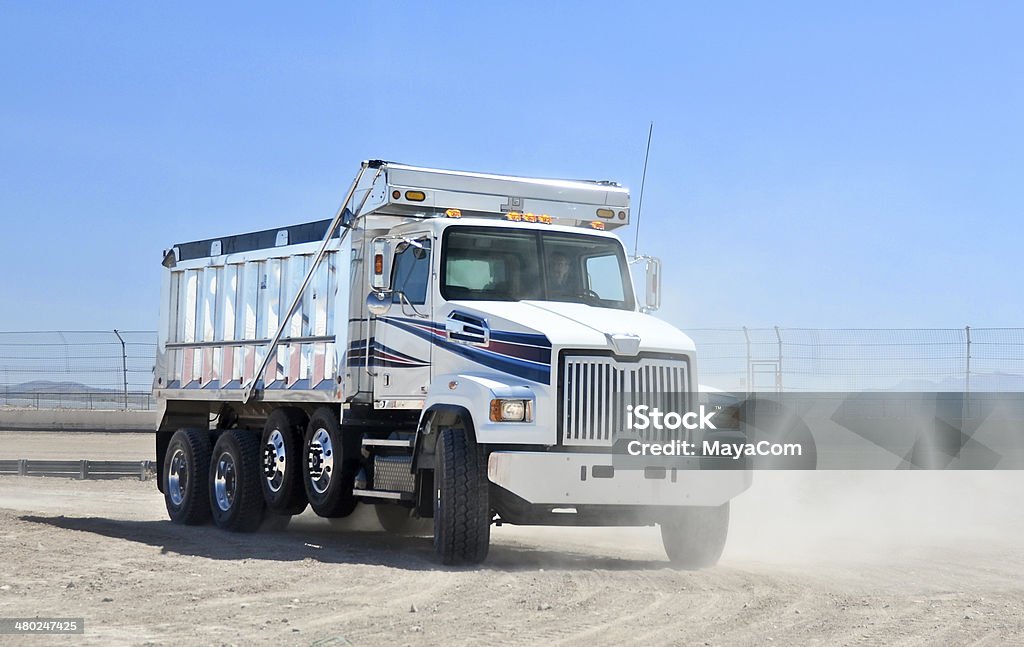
[652, 282]
[380, 271]
[378, 303]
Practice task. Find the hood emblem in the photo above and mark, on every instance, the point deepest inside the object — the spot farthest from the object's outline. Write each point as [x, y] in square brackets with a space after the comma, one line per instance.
[624, 343]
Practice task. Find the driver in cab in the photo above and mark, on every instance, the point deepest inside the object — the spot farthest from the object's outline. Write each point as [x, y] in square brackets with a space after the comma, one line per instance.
[561, 282]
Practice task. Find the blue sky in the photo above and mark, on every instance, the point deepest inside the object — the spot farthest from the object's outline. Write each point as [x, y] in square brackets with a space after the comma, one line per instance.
[813, 164]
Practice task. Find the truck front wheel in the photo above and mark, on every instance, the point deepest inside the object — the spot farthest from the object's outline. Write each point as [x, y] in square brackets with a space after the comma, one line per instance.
[695, 536]
[462, 513]
[236, 500]
[186, 464]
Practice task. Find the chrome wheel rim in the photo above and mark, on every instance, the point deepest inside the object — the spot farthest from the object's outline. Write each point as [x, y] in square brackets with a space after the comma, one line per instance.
[225, 481]
[177, 476]
[320, 461]
[275, 461]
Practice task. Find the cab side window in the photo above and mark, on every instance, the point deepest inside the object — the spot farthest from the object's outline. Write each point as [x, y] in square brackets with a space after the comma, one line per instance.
[411, 272]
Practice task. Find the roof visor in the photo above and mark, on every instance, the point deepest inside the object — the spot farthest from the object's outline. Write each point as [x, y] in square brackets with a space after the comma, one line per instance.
[412, 190]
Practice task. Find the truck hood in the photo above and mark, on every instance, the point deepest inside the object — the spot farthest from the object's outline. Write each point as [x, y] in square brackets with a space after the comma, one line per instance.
[577, 325]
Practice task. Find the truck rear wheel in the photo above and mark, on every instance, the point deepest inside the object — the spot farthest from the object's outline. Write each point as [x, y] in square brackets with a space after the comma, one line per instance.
[462, 512]
[281, 443]
[695, 536]
[330, 466]
[236, 500]
[186, 464]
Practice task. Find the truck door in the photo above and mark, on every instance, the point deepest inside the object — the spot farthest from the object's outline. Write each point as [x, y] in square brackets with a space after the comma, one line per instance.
[400, 352]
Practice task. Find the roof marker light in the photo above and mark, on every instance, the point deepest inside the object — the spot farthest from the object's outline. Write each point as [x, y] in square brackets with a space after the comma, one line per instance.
[597, 224]
[453, 213]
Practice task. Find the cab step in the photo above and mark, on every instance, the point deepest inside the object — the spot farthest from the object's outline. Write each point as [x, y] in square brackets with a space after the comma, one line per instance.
[383, 494]
[388, 442]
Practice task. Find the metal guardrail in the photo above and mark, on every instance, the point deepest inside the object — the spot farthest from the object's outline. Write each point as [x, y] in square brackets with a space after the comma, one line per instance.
[81, 469]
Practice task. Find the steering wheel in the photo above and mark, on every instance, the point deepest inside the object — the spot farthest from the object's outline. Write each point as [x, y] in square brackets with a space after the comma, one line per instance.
[589, 296]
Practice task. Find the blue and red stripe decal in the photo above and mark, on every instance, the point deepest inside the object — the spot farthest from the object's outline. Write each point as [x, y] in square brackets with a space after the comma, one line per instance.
[525, 355]
[380, 355]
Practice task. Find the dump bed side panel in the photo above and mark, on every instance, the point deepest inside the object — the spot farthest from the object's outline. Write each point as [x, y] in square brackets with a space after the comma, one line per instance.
[220, 312]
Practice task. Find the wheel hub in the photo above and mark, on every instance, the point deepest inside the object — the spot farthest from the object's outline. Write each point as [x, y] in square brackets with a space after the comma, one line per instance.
[275, 461]
[225, 481]
[320, 461]
[177, 477]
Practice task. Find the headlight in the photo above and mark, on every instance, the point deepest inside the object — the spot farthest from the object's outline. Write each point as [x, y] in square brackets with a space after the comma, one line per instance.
[511, 411]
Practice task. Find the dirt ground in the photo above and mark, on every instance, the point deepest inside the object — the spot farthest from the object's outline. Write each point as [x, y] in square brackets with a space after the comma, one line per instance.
[870, 558]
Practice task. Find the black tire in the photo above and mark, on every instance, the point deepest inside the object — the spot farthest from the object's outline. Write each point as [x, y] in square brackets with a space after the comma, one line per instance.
[186, 464]
[398, 520]
[462, 512]
[695, 536]
[329, 466]
[236, 505]
[281, 459]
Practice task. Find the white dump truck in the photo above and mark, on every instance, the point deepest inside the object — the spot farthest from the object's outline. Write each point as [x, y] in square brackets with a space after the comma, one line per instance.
[450, 346]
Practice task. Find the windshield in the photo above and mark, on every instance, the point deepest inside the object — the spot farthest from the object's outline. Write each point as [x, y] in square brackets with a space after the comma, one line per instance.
[497, 264]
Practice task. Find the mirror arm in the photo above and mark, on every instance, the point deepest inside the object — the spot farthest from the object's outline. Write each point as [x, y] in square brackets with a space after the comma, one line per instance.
[404, 300]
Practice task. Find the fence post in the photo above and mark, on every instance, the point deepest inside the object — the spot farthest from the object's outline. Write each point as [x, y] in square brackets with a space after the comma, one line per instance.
[967, 372]
[750, 368]
[22, 467]
[83, 469]
[778, 374]
[124, 366]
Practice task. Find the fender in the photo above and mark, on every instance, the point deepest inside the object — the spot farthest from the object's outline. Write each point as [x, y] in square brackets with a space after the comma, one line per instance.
[434, 417]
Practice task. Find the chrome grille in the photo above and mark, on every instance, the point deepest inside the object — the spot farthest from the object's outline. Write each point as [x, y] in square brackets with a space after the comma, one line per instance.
[597, 390]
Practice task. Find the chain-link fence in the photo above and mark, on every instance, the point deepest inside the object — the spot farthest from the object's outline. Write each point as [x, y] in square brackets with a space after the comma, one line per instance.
[816, 359]
[114, 370]
[77, 370]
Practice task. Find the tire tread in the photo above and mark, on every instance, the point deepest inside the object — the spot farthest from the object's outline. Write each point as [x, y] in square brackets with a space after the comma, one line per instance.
[248, 515]
[195, 509]
[463, 528]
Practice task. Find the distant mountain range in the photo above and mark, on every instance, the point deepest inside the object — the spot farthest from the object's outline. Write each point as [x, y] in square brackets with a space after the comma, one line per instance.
[46, 386]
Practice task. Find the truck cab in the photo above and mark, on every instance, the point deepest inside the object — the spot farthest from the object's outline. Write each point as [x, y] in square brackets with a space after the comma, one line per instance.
[454, 346]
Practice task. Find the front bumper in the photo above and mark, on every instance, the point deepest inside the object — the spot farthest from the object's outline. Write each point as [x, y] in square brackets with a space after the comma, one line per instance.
[570, 479]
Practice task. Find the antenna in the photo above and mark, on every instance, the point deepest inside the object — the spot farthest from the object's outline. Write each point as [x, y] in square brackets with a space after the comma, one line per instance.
[643, 180]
